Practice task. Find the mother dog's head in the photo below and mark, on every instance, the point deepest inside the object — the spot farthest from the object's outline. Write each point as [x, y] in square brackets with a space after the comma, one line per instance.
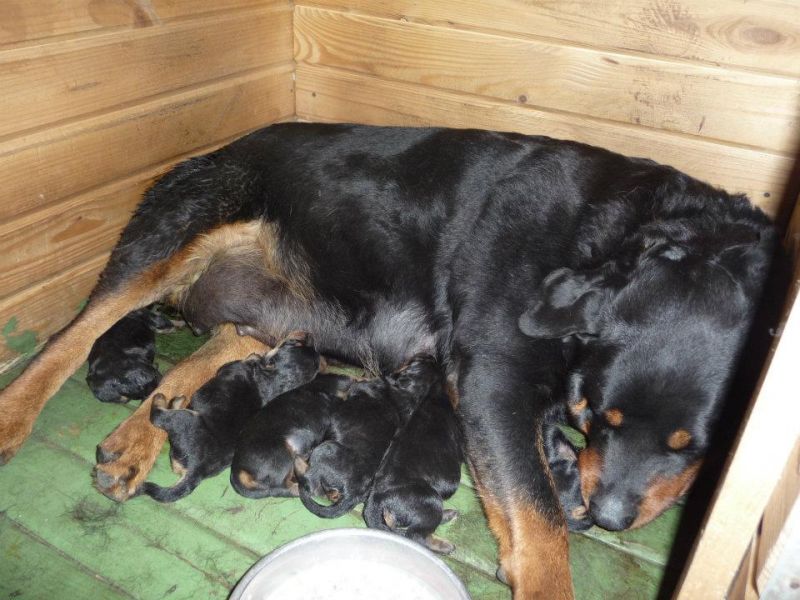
[662, 319]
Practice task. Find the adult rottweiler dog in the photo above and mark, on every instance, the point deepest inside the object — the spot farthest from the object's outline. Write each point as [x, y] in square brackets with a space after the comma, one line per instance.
[484, 248]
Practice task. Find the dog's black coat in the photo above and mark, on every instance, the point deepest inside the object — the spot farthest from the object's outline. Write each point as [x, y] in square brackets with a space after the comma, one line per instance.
[121, 361]
[421, 468]
[290, 426]
[203, 436]
[361, 428]
[432, 239]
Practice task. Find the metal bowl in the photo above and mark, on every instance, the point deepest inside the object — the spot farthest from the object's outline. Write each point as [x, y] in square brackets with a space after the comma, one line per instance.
[350, 564]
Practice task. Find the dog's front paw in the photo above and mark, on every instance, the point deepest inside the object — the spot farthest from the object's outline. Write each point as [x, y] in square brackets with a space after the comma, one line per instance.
[126, 456]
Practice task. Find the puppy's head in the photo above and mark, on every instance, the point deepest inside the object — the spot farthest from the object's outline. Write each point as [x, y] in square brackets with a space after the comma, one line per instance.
[287, 366]
[661, 326]
[417, 377]
[563, 460]
[123, 380]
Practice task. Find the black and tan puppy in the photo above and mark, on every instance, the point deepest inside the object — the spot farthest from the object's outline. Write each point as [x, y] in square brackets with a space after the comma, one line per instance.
[562, 457]
[421, 468]
[361, 428]
[292, 425]
[203, 436]
[121, 361]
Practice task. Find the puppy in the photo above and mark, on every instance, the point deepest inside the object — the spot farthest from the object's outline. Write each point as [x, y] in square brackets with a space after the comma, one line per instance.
[288, 427]
[421, 468]
[121, 361]
[203, 436]
[361, 428]
[563, 460]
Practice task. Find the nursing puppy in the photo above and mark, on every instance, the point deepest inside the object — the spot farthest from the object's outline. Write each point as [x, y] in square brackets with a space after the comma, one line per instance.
[421, 468]
[121, 361]
[290, 426]
[361, 428]
[203, 436]
[562, 458]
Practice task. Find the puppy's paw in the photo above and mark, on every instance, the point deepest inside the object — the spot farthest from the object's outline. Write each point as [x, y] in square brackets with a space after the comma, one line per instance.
[449, 514]
[439, 545]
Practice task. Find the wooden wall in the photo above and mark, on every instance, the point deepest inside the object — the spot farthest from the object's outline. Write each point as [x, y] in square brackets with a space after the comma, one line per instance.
[711, 87]
[98, 98]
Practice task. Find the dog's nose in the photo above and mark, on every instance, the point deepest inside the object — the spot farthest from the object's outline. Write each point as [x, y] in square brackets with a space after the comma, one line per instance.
[612, 512]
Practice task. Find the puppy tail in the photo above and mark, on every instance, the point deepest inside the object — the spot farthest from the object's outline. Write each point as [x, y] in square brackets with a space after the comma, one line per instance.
[343, 505]
[170, 494]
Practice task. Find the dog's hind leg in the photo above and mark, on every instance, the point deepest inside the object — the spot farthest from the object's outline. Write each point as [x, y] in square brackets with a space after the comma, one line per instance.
[23, 399]
[113, 298]
[126, 456]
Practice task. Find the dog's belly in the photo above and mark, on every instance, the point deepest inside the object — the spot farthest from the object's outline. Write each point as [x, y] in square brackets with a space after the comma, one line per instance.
[381, 338]
[380, 334]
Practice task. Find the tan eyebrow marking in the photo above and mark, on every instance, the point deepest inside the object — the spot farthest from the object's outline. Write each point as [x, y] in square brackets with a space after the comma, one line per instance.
[679, 439]
[614, 417]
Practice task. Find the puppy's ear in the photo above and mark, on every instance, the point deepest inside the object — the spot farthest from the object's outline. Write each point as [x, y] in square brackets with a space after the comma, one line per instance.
[569, 303]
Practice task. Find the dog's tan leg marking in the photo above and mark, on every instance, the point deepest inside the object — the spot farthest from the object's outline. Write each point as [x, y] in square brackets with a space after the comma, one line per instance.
[132, 447]
[23, 399]
[534, 554]
[538, 566]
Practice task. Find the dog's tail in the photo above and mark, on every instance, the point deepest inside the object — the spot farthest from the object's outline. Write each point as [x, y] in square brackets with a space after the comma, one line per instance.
[170, 494]
[342, 505]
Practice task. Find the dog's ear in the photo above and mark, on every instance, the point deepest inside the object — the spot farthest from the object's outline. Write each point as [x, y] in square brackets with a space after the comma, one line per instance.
[569, 303]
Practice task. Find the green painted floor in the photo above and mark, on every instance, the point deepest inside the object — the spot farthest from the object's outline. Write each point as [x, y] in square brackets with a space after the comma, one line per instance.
[61, 539]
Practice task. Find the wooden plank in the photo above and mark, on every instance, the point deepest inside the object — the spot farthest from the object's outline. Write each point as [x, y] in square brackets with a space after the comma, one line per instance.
[757, 34]
[769, 435]
[32, 568]
[744, 108]
[42, 168]
[62, 81]
[330, 95]
[31, 316]
[22, 20]
[58, 237]
[776, 514]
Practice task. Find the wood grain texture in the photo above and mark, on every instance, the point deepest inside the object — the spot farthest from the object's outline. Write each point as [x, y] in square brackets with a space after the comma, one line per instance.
[41, 243]
[68, 79]
[756, 34]
[330, 95]
[41, 168]
[46, 307]
[743, 108]
[27, 21]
